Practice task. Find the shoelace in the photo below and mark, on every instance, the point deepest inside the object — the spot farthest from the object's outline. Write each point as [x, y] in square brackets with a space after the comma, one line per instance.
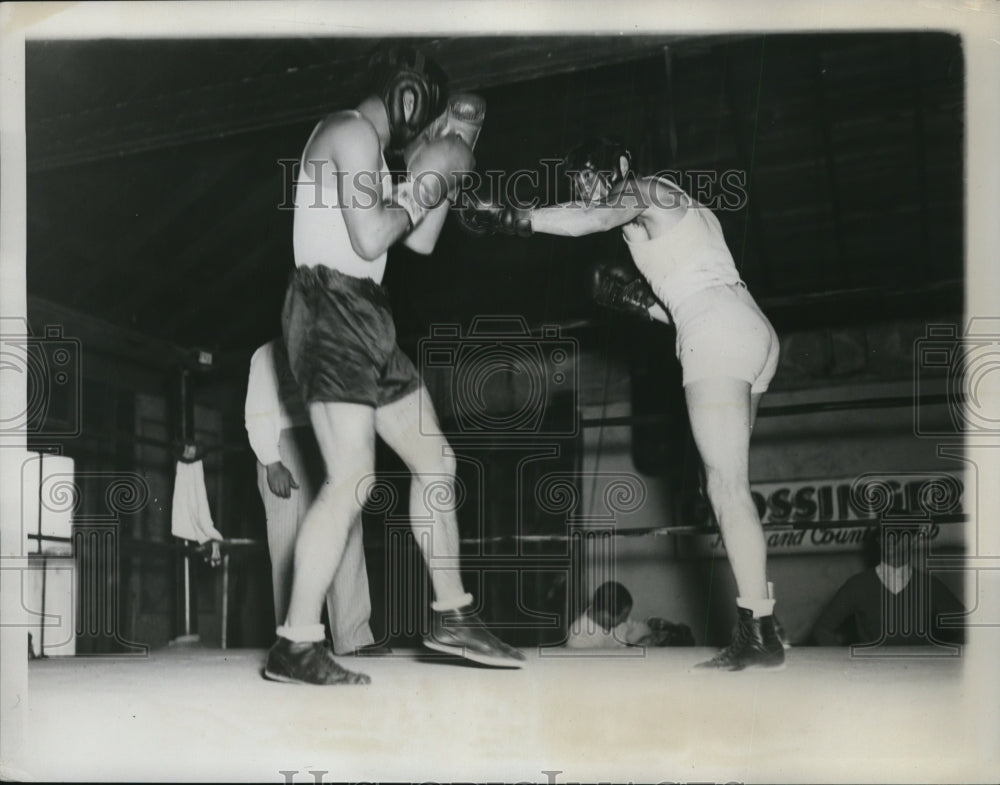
[332, 666]
[741, 637]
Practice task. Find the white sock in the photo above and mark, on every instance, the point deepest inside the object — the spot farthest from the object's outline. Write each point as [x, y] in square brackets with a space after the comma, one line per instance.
[304, 633]
[453, 604]
[759, 608]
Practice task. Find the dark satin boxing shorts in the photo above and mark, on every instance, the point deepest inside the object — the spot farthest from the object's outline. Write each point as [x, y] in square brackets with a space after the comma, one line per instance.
[341, 340]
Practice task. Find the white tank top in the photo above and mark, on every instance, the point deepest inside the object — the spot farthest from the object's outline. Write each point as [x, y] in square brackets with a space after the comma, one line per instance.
[319, 234]
[690, 257]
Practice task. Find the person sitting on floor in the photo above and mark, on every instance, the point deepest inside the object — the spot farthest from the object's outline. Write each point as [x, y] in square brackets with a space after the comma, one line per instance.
[606, 624]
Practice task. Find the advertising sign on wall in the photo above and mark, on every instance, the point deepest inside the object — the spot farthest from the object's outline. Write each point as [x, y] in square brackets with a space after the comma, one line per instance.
[841, 514]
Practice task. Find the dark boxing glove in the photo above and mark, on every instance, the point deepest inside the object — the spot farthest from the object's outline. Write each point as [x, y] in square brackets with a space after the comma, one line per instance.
[623, 290]
[482, 219]
[477, 217]
[665, 633]
[516, 222]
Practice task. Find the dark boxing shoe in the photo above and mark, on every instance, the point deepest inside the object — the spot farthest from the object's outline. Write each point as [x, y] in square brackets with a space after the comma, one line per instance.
[755, 643]
[307, 663]
[373, 650]
[462, 633]
[779, 630]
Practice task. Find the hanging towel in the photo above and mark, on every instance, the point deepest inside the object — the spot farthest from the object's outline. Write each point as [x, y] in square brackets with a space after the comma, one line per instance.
[190, 518]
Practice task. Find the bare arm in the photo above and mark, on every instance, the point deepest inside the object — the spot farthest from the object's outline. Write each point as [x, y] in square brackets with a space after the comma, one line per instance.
[636, 632]
[425, 235]
[632, 199]
[575, 220]
[353, 147]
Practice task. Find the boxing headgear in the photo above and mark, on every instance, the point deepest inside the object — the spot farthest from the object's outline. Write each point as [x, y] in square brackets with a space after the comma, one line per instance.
[602, 156]
[401, 70]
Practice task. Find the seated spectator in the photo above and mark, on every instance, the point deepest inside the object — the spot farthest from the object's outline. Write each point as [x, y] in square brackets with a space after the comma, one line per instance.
[606, 624]
[892, 603]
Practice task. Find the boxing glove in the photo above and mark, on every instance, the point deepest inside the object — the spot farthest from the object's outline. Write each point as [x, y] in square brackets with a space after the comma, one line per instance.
[436, 169]
[463, 117]
[481, 219]
[623, 290]
[516, 222]
[477, 217]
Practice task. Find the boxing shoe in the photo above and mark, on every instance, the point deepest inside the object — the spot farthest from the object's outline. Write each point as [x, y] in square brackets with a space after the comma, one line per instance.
[779, 630]
[307, 663]
[373, 650]
[754, 643]
[462, 633]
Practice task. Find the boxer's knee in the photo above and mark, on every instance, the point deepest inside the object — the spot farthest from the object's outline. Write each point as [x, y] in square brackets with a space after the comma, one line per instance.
[447, 464]
[727, 491]
[343, 496]
[363, 485]
[433, 458]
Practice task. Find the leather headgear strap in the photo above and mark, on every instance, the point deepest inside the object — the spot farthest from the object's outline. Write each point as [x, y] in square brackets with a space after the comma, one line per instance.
[400, 70]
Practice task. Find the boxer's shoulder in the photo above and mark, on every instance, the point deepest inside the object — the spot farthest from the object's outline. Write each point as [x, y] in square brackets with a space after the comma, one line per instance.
[669, 202]
[648, 193]
[665, 193]
[347, 137]
[345, 127]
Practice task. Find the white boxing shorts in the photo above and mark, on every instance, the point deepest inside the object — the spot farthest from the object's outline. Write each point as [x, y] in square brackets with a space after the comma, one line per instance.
[722, 333]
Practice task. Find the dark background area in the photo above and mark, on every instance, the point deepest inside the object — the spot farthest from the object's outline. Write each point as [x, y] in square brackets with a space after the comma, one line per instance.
[155, 184]
[154, 178]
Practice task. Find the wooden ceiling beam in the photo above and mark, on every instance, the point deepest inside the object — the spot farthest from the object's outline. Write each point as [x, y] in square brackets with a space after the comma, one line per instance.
[288, 96]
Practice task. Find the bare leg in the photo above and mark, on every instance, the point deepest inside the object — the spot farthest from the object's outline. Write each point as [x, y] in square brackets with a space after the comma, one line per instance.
[345, 433]
[754, 406]
[720, 412]
[409, 426]
[346, 437]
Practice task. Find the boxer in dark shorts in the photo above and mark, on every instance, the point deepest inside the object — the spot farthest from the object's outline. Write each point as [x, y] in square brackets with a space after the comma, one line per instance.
[340, 331]
[727, 348]
[341, 345]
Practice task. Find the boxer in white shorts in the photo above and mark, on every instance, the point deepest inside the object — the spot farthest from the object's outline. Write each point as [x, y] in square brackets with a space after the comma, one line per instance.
[727, 348]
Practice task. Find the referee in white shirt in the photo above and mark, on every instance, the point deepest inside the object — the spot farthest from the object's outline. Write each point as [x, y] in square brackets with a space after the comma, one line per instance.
[289, 465]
